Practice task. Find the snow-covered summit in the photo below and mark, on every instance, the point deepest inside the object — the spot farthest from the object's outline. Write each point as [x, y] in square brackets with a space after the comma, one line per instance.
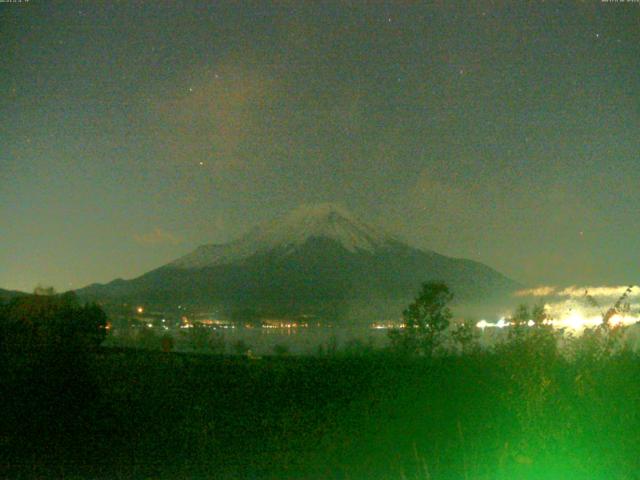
[323, 220]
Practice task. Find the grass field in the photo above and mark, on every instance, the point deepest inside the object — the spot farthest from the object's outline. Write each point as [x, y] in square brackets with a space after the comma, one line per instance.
[487, 415]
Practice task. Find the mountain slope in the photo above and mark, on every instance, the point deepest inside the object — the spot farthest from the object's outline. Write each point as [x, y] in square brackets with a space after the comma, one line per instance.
[6, 295]
[291, 231]
[318, 260]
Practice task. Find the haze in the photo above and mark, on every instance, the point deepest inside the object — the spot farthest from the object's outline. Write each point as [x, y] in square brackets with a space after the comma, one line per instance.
[133, 132]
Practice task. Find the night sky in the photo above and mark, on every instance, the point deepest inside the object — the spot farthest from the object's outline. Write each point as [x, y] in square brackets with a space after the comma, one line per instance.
[504, 132]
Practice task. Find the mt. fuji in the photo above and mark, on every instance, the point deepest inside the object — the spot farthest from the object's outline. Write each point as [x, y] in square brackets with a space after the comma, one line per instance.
[318, 260]
[287, 233]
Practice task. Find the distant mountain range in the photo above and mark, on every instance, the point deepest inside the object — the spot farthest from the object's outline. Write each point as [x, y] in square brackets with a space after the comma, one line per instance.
[318, 261]
[6, 295]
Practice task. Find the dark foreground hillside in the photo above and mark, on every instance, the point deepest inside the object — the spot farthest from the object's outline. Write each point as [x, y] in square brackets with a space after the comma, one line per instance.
[128, 414]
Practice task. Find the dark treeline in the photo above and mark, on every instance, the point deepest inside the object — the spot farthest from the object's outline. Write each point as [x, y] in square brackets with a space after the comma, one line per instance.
[433, 405]
[46, 349]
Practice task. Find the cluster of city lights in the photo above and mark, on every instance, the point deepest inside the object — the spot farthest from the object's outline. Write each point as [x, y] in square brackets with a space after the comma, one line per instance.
[575, 321]
[573, 314]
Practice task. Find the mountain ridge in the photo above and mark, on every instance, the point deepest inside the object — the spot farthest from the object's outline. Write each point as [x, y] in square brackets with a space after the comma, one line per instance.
[288, 231]
[317, 260]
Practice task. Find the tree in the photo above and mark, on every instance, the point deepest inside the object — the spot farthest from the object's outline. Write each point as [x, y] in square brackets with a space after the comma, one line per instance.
[280, 350]
[425, 320]
[241, 347]
[217, 343]
[53, 323]
[539, 315]
[91, 324]
[167, 343]
[45, 291]
[45, 345]
[465, 334]
[519, 322]
[198, 336]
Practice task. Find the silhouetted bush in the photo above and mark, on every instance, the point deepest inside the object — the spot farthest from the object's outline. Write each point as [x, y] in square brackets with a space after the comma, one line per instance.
[167, 342]
[425, 321]
[45, 361]
[280, 350]
[465, 337]
[199, 336]
[241, 347]
[148, 338]
[356, 347]
[53, 323]
[216, 343]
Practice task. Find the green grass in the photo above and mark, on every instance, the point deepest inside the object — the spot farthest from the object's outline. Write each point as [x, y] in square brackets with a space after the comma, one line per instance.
[132, 414]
